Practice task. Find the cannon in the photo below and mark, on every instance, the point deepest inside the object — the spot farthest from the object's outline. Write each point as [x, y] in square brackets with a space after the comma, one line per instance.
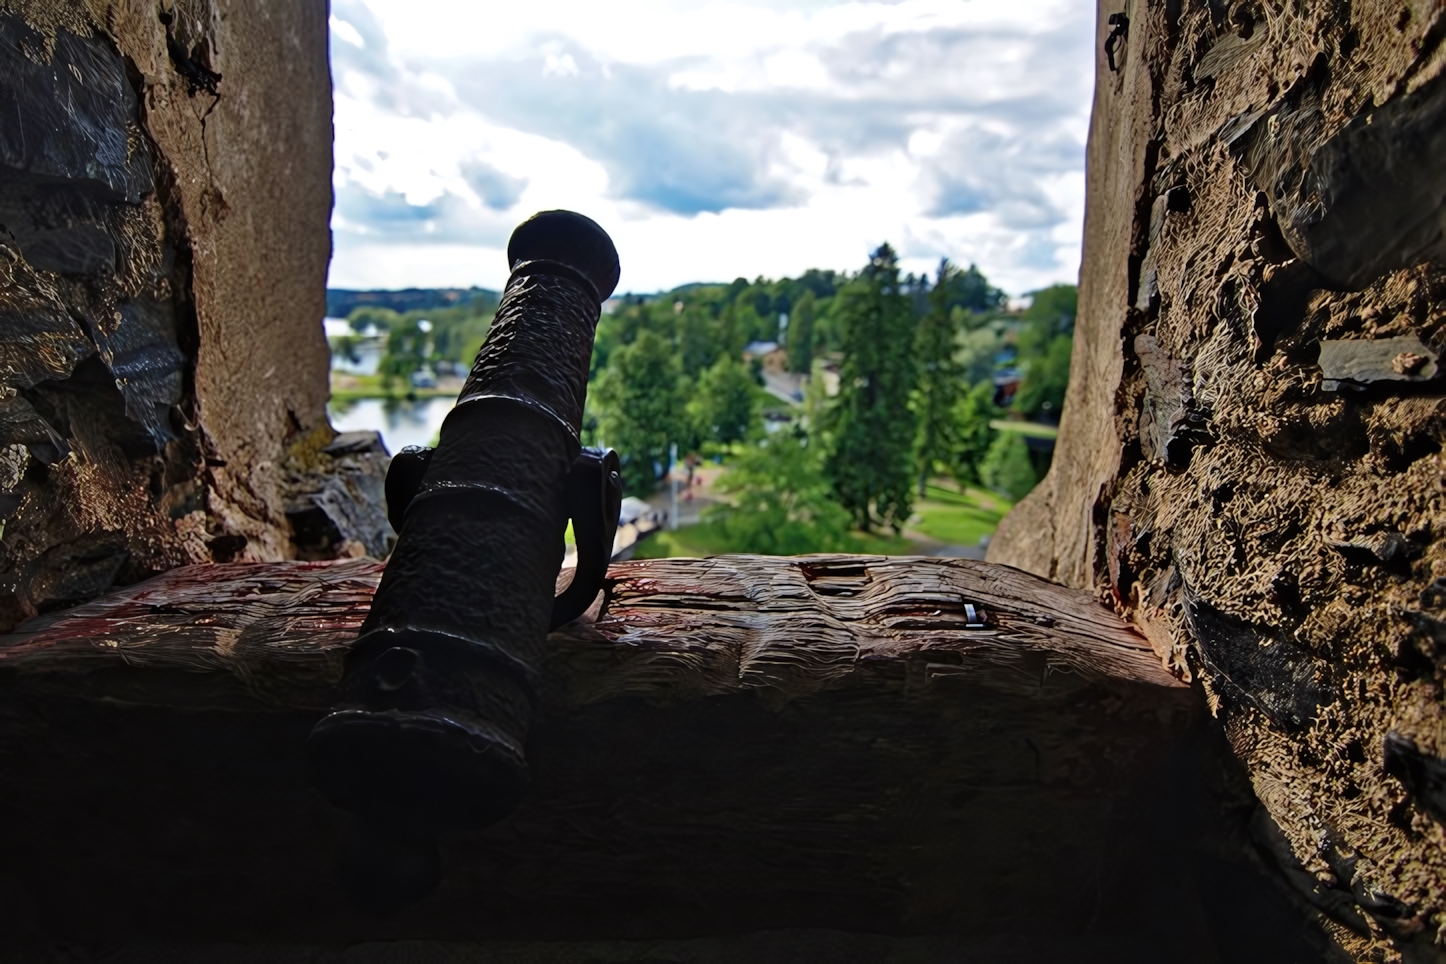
[440, 685]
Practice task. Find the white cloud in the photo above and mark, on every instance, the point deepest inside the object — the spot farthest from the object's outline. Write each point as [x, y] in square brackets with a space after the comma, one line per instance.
[712, 139]
[344, 31]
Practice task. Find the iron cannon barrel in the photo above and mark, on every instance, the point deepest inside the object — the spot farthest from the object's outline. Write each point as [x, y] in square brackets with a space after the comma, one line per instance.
[479, 551]
[440, 684]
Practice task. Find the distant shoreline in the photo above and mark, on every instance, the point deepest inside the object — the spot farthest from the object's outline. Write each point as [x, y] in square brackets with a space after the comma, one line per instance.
[414, 395]
[347, 387]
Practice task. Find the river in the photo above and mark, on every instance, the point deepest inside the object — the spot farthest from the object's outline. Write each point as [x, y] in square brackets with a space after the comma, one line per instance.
[401, 422]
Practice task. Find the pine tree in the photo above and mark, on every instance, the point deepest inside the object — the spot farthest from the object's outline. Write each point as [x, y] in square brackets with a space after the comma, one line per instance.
[871, 466]
[941, 381]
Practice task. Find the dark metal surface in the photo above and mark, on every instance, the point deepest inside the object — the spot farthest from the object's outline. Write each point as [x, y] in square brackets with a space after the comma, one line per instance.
[594, 500]
[441, 682]
[1119, 30]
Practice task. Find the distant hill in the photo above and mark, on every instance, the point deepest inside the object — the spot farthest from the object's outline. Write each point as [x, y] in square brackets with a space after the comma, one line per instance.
[695, 285]
[340, 302]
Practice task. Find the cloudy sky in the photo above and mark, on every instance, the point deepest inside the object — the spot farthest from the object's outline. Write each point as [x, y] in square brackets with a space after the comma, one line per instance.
[712, 138]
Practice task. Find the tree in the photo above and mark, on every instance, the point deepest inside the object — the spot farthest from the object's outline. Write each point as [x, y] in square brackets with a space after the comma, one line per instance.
[1053, 308]
[724, 405]
[621, 327]
[936, 395]
[698, 339]
[408, 349]
[363, 317]
[732, 334]
[641, 408]
[782, 503]
[1045, 344]
[873, 431]
[1044, 378]
[969, 289]
[1006, 467]
[345, 347]
[752, 326]
[456, 332]
[973, 434]
[800, 333]
[825, 326]
[979, 346]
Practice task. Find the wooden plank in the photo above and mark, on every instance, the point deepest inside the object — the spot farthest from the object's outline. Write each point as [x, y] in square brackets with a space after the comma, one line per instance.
[688, 626]
[730, 744]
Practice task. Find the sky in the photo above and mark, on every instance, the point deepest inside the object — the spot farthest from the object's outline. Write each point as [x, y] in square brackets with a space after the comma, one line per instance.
[713, 140]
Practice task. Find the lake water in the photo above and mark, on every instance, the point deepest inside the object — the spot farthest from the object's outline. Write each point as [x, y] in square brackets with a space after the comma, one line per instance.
[401, 423]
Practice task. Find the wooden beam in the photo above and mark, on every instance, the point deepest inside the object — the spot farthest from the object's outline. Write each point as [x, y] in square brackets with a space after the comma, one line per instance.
[896, 745]
[687, 626]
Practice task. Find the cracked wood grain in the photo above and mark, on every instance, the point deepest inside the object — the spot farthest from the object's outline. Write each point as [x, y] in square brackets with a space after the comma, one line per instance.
[678, 627]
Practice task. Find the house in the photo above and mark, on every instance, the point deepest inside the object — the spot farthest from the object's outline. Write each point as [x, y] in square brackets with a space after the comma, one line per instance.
[772, 355]
[1006, 383]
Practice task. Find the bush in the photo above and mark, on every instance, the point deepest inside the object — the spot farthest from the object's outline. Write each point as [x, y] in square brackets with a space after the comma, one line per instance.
[782, 503]
[1006, 467]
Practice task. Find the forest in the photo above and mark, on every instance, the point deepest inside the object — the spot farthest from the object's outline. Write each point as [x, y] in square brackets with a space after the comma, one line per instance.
[835, 401]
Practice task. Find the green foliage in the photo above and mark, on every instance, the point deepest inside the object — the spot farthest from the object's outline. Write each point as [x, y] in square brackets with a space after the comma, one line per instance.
[1045, 378]
[782, 504]
[456, 334]
[732, 333]
[1006, 467]
[937, 392]
[800, 333]
[1045, 342]
[724, 406]
[346, 347]
[894, 421]
[622, 325]
[367, 316]
[697, 334]
[972, 414]
[979, 345]
[408, 349]
[704, 322]
[871, 465]
[1053, 309]
[640, 406]
[970, 290]
[978, 350]
[749, 325]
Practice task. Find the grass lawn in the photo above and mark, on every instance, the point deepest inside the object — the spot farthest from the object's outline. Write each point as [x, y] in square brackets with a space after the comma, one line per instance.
[352, 388]
[959, 518]
[1032, 429]
[946, 514]
[705, 539]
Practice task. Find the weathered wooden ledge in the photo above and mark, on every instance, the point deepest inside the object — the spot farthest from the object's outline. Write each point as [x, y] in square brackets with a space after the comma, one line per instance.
[679, 628]
[897, 745]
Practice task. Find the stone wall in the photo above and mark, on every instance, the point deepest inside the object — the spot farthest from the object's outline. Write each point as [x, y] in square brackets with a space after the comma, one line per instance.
[165, 190]
[1250, 457]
